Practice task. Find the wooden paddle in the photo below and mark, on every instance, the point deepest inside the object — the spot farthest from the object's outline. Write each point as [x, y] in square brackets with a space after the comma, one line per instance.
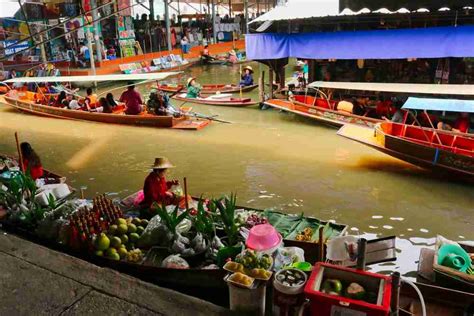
[20, 156]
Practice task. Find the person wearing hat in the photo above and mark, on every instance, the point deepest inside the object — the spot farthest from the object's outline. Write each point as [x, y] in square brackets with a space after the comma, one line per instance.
[194, 89]
[247, 79]
[232, 57]
[156, 188]
[156, 103]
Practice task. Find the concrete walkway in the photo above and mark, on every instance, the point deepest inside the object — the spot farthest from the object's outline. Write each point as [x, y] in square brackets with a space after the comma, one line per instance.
[35, 280]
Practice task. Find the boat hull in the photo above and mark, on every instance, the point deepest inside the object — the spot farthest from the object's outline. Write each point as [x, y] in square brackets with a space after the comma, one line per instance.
[141, 120]
[208, 88]
[418, 154]
[320, 114]
[234, 102]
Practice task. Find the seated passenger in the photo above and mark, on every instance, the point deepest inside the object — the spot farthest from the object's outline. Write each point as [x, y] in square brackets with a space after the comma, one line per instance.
[74, 104]
[66, 101]
[232, 57]
[246, 78]
[156, 188]
[155, 104]
[90, 101]
[111, 100]
[31, 161]
[59, 100]
[106, 108]
[461, 125]
[132, 99]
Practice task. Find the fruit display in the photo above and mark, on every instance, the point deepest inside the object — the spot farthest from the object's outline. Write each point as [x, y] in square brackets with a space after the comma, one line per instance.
[250, 260]
[249, 219]
[353, 291]
[234, 267]
[305, 235]
[118, 242]
[241, 279]
[260, 274]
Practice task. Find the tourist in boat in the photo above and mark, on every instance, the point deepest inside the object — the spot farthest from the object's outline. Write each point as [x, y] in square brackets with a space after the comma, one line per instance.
[132, 99]
[398, 116]
[461, 125]
[156, 103]
[74, 104]
[111, 100]
[156, 188]
[59, 100]
[247, 78]
[194, 89]
[106, 108]
[31, 161]
[67, 100]
[90, 100]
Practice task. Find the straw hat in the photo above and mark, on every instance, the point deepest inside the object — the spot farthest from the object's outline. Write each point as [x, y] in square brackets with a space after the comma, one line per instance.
[233, 53]
[162, 163]
[189, 81]
[249, 68]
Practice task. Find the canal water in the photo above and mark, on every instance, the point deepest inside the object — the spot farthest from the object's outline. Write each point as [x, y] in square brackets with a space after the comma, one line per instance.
[268, 158]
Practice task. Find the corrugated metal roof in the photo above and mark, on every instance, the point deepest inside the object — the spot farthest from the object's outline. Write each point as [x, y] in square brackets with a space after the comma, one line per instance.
[307, 9]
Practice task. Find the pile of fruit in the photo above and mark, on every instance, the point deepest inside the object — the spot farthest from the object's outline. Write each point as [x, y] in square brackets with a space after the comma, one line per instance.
[249, 219]
[335, 287]
[250, 260]
[241, 279]
[305, 235]
[118, 242]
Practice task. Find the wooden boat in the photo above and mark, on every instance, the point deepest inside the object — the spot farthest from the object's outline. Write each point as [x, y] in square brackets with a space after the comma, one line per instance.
[424, 147]
[29, 106]
[225, 100]
[208, 88]
[321, 110]
[4, 89]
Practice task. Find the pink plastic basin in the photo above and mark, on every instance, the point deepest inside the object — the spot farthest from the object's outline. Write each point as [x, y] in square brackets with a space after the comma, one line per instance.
[263, 237]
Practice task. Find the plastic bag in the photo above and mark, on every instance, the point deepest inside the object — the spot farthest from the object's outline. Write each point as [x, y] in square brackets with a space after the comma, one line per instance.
[175, 262]
[287, 256]
[155, 234]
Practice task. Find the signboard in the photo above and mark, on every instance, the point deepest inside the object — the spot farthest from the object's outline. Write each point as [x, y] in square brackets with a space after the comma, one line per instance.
[13, 47]
[124, 4]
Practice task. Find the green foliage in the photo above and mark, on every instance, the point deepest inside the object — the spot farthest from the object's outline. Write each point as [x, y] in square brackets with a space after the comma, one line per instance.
[171, 221]
[226, 207]
[203, 222]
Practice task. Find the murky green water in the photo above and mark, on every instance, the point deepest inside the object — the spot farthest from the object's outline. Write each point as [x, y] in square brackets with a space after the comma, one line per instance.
[270, 159]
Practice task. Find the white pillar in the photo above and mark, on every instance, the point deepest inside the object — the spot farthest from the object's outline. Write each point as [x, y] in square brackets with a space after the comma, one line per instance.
[168, 27]
[95, 17]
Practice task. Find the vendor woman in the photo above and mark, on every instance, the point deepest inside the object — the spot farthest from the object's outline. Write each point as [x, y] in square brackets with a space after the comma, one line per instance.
[194, 89]
[156, 188]
[31, 161]
[247, 79]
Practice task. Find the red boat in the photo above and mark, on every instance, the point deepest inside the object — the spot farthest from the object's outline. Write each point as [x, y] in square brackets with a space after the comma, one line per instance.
[321, 110]
[208, 88]
[424, 147]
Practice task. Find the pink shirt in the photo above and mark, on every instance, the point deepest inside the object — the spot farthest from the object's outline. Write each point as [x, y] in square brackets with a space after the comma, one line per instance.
[133, 101]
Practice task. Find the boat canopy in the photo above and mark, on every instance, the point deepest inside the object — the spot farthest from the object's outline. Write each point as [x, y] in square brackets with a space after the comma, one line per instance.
[428, 42]
[118, 77]
[409, 88]
[449, 105]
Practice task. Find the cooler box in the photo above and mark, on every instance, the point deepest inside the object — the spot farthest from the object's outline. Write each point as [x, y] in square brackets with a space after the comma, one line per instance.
[377, 287]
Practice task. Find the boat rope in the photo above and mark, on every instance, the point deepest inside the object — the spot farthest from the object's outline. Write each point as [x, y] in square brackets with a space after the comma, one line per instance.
[417, 290]
[436, 156]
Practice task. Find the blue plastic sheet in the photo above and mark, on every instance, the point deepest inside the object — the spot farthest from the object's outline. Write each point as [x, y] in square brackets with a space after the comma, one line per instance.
[432, 42]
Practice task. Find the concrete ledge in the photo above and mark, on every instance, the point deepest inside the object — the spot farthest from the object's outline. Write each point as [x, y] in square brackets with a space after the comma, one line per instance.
[83, 277]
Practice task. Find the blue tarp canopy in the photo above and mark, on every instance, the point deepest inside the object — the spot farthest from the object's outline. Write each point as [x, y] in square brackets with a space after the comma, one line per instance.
[448, 105]
[430, 42]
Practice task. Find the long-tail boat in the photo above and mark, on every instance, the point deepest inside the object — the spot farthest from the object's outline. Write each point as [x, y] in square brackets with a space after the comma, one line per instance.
[424, 147]
[26, 102]
[223, 99]
[325, 109]
[208, 88]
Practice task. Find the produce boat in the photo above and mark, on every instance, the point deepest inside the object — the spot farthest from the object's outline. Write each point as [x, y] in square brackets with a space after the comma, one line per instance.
[320, 110]
[224, 100]
[8, 162]
[144, 119]
[208, 88]
[424, 147]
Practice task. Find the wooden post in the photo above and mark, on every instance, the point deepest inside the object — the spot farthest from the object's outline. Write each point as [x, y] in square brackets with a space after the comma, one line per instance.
[261, 87]
[362, 244]
[321, 244]
[394, 301]
[20, 156]
[186, 193]
[270, 78]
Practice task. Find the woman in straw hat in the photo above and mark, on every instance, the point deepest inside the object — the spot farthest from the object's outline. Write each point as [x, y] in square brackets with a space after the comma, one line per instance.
[156, 188]
[194, 89]
[247, 79]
